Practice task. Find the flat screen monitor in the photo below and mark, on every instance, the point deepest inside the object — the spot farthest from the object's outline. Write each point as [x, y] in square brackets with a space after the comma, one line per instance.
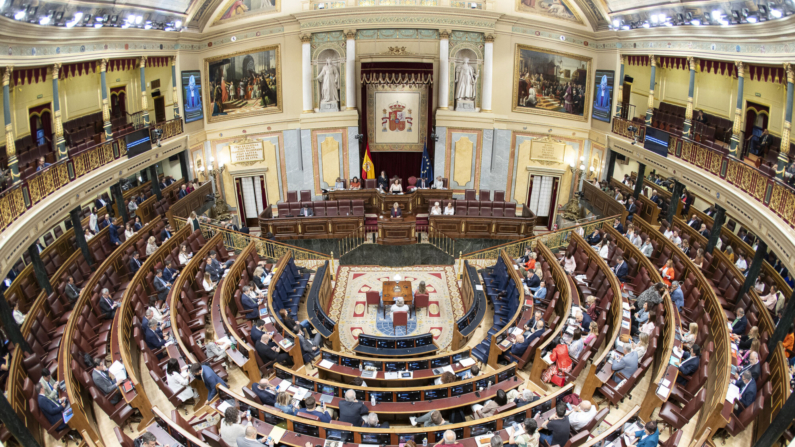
[656, 141]
[375, 438]
[394, 366]
[308, 384]
[460, 356]
[361, 395]
[339, 435]
[425, 340]
[386, 344]
[407, 396]
[350, 362]
[416, 366]
[381, 396]
[460, 389]
[284, 375]
[404, 344]
[441, 361]
[327, 389]
[333, 358]
[372, 364]
[138, 142]
[436, 394]
[484, 382]
[416, 437]
[482, 429]
[516, 418]
[272, 418]
[462, 323]
[367, 341]
[306, 429]
[505, 375]
[459, 434]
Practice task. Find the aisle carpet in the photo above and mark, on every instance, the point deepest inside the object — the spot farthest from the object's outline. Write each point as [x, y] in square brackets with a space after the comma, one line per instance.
[349, 309]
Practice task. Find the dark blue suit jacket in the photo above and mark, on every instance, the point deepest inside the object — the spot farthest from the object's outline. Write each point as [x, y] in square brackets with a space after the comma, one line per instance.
[256, 334]
[648, 441]
[250, 307]
[153, 340]
[749, 395]
[533, 336]
[50, 409]
[594, 239]
[114, 234]
[145, 327]
[739, 326]
[169, 275]
[265, 396]
[586, 323]
[689, 366]
[620, 228]
[622, 271]
[535, 281]
[211, 379]
[518, 349]
[182, 193]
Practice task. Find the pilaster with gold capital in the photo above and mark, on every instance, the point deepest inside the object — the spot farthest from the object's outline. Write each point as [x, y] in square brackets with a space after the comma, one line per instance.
[11, 151]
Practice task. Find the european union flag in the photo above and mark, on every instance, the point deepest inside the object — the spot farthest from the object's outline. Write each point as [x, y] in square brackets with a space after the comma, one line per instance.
[426, 170]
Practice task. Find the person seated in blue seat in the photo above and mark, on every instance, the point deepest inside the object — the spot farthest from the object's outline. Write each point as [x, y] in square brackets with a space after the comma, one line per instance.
[206, 374]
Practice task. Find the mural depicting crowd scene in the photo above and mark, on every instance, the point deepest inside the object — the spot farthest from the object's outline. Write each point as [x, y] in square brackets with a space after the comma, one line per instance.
[551, 82]
[236, 9]
[245, 84]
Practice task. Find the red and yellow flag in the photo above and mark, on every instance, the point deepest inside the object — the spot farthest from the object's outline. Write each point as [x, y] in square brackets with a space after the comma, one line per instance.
[368, 170]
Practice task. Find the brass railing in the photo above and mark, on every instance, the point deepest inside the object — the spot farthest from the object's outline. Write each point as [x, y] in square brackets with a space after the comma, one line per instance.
[553, 240]
[136, 119]
[441, 241]
[237, 241]
[48, 180]
[169, 128]
[352, 241]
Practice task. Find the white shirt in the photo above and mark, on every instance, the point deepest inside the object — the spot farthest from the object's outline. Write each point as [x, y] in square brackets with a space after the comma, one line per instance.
[668, 233]
[436, 211]
[579, 419]
[89, 236]
[438, 184]
[207, 287]
[92, 223]
[129, 233]
[175, 381]
[603, 252]
[156, 315]
[677, 241]
[741, 264]
[184, 258]
[267, 279]
[19, 317]
[449, 211]
[396, 308]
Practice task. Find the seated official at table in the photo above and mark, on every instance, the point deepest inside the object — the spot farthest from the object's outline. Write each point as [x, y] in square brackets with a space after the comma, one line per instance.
[438, 183]
[382, 181]
[107, 305]
[51, 410]
[518, 348]
[538, 315]
[396, 211]
[584, 321]
[627, 365]
[306, 212]
[436, 210]
[355, 183]
[49, 384]
[580, 415]
[422, 183]
[395, 187]
[269, 351]
[399, 306]
[648, 437]
[532, 282]
[339, 184]
[449, 210]
[104, 382]
[250, 304]
[747, 386]
[594, 238]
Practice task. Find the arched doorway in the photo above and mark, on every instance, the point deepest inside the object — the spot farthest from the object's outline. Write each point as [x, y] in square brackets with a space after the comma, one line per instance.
[40, 118]
[118, 102]
[756, 118]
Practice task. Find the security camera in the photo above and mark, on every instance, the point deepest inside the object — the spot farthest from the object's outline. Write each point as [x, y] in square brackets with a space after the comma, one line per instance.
[158, 133]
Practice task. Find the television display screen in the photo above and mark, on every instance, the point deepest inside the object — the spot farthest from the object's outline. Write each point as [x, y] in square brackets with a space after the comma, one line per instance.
[339, 435]
[395, 366]
[373, 364]
[461, 389]
[306, 429]
[436, 394]
[442, 361]
[138, 142]
[416, 366]
[375, 438]
[333, 358]
[386, 344]
[424, 340]
[327, 389]
[367, 341]
[404, 344]
[482, 429]
[350, 362]
[308, 384]
[408, 396]
[603, 95]
[656, 141]
[284, 375]
[381, 396]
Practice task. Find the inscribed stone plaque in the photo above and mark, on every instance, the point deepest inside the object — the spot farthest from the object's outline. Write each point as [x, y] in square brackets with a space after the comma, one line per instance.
[246, 152]
[547, 151]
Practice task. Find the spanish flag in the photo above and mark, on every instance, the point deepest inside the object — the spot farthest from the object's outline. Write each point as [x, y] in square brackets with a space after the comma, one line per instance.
[368, 170]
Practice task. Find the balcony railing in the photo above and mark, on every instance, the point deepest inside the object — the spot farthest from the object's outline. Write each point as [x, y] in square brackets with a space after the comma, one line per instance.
[19, 198]
[761, 186]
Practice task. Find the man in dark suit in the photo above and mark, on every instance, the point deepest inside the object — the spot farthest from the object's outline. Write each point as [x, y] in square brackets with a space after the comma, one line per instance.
[166, 233]
[153, 340]
[627, 365]
[740, 322]
[584, 321]
[104, 222]
[693, 222]
[140, 199]
[621, 269]
[52, 410]
[618, 227]
[749, 239]
[760, 144]
[257, 331]
[107, 305]
[704, 231]
[182, 192]
[104, 382]
[533, 282]
[113, 232]
[215, 274]
[594, 238]
[209, 377]
[250, 304]
[710, 211]
[169, 180]
[422, 183]
[71, 290]
[631, 208]
[531, 325]
[351, 410]
[163, 185]
[135, 263]
[747, 386]
[268, 351]
[217, 265]
[306, 212]
[655, 198]
[689, 366]
[100, 202]
[148, 314]
[520, 345]
[170, 273]
[537, 331]
[161, 285]
[265, 391]
[753, 367]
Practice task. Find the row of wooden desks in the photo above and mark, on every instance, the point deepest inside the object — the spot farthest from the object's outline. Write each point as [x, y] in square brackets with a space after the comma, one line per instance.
[376, 202]
[345, 371]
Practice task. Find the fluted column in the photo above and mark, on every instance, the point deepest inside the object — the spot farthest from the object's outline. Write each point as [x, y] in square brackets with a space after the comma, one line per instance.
[60, 143]
[620, 88]
[691, 61]
[350, 70]
[650, 105]
[784, 150]
[444, 69]
[103, 68]
[488, 73]
[11, 151]
[738, 112]
[306, 72]
[174, 86]
[144, 105]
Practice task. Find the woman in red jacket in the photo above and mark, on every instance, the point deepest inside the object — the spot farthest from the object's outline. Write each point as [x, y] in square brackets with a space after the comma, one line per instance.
[562, 362]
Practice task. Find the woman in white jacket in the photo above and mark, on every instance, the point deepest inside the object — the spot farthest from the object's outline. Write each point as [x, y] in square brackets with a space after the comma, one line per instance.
[176, 381]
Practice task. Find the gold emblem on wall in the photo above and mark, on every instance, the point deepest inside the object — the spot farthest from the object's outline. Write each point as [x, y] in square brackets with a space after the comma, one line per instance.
[397, 51]
[330, 156]
[462, 170]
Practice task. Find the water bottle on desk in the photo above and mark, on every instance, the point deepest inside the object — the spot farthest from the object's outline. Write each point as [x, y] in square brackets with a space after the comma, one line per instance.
[372, 400]
[425, 442]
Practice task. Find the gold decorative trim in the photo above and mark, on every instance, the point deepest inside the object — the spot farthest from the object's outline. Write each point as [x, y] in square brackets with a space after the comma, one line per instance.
[397, 51]
[306, 38]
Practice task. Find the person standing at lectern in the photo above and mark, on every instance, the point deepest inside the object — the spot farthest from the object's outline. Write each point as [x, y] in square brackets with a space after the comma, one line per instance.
[396, 212]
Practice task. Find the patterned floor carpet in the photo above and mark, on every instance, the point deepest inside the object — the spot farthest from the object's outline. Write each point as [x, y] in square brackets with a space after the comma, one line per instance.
[349, 307]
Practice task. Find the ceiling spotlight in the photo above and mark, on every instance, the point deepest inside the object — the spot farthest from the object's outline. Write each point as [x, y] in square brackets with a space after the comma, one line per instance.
[654, 18]
[97, 25]
[646, 24]
[20, 15]
[616, 23]
[716, 14]
[178, 24]
[138, 19]
[44, 20]
[775, 12]
[751, 18]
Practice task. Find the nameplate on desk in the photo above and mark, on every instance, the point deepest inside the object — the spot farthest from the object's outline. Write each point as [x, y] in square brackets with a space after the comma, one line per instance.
[478, 287]
[663, 391]
[367, 374]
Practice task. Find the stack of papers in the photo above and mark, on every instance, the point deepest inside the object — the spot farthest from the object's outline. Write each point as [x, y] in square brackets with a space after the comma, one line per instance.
[516, 331]
[223, 340]
[223, 406]
[325, 364]
[478, 287]
[283, 386]
[118, 371]
[447, 368]
[515, 431]
[391, 375]
[625, 305]
[302, 394]
[467, 362]
[733, 393]
[574, 310]
[663, 391]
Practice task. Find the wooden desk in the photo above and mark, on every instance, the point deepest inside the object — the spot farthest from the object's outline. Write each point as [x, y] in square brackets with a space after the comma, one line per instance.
[390, 296]
[163, 437]
[376, 202]
[396, 231]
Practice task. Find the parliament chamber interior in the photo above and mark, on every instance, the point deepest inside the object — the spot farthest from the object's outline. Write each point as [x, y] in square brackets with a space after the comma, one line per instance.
[331, 223]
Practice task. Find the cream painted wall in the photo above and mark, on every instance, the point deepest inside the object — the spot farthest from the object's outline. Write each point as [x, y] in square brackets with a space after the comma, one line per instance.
[25, 97]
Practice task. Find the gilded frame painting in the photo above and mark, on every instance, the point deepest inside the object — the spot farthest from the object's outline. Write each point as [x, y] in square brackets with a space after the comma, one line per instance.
[556, 9]
[397, 117]
[240, 9]
[243, 84]
[551, 83]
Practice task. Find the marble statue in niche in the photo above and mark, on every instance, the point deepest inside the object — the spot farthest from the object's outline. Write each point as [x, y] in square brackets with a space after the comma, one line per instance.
[329, 86]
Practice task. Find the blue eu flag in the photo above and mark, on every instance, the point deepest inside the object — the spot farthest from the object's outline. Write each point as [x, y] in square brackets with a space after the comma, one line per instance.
[426, 170]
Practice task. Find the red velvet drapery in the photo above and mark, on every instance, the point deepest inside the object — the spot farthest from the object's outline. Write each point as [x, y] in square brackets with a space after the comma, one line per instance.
[401, 164]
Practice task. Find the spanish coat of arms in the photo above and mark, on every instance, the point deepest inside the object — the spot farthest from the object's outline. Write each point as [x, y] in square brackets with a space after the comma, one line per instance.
[397, 118]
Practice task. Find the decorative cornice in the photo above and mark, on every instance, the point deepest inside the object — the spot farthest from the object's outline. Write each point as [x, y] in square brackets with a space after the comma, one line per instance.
[400, 19]
[490, 38]
[306, 38]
